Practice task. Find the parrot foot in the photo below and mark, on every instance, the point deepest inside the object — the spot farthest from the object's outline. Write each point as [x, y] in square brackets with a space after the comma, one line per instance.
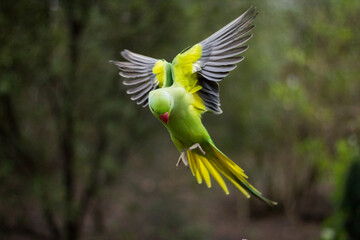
[182, 158]
[197, 145]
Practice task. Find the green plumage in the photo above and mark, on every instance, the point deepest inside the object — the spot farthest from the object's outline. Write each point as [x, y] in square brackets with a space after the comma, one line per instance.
[185, 126]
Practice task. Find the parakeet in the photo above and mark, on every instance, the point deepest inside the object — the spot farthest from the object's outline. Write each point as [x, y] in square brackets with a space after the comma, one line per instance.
[178, 93]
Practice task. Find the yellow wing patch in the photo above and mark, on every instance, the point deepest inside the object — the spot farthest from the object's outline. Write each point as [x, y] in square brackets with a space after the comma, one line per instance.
[198, 103]
[184, 75]
[159, 71]
[183, 68]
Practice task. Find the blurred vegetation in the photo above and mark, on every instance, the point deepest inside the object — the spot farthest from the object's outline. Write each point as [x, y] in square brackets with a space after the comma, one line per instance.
[79, 160]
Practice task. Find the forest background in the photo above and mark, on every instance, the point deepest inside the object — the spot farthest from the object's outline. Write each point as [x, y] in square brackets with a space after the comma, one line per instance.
[79, 160]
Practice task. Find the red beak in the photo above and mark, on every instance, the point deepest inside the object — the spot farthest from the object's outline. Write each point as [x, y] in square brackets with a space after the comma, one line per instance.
[164, 117]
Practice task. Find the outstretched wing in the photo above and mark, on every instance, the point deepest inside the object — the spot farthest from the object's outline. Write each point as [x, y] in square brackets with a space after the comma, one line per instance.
[142, 73]
[201, 67]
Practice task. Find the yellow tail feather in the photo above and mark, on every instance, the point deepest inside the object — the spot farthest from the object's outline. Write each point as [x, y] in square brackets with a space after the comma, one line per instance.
[214, 163]
[215, 174]
[204, 172]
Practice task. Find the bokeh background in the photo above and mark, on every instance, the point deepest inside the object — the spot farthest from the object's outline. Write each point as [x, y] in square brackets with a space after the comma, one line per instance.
[79, 160]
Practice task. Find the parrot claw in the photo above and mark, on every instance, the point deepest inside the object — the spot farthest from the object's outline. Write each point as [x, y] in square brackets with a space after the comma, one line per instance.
[182, 158]
[197, 145]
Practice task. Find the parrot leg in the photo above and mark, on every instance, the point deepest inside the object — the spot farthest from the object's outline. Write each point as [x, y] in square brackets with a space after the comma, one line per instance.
[197, 145]
[182, 158]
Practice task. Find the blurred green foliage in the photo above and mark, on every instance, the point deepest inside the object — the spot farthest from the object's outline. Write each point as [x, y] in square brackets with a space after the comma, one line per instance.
[78, 159]
[344, 222]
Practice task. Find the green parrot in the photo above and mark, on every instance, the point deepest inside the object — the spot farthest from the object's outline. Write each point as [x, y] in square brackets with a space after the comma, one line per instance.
[178, 93]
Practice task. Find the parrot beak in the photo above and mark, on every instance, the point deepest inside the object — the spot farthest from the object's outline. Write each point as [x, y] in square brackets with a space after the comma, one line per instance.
[164, 117]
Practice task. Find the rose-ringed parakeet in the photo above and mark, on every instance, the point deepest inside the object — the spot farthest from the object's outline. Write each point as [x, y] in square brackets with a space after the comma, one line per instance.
[178, 93]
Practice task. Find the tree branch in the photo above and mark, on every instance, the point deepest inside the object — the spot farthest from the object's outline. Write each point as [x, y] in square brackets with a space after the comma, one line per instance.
[48, 215]
[93, 182]
[76, 22]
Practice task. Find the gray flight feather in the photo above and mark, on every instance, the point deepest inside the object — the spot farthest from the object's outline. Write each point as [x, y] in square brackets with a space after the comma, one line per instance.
[220, 54]
[225, 62]
[138, 72]
[136, 81]
[143, 92]
[138, 88]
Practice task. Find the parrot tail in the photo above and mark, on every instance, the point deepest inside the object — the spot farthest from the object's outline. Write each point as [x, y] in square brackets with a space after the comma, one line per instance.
[215, 162]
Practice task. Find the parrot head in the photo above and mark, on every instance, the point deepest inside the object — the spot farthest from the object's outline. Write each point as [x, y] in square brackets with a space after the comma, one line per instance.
[160, 103]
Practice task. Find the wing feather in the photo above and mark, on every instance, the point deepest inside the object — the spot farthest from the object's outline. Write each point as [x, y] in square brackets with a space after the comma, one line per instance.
[222, 68]
[225, 62]
[226, 53]
[139, 88]
[136, 81]
[139, 73]
[209, 87]
[216, 76]
[141, 93]
[219, 54]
